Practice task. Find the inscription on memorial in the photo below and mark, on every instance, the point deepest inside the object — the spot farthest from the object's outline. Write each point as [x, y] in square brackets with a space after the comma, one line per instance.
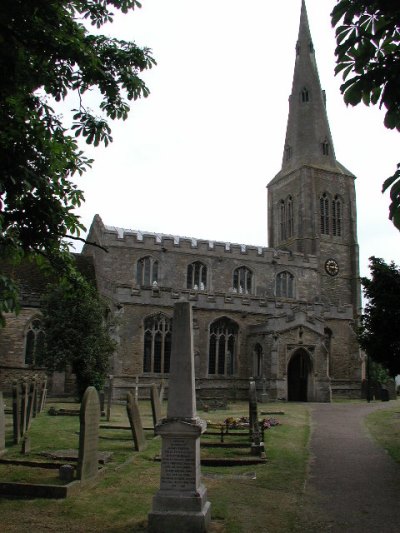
[178, 471]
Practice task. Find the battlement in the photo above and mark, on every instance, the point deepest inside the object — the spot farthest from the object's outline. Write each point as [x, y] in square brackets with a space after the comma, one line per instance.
[115, 236]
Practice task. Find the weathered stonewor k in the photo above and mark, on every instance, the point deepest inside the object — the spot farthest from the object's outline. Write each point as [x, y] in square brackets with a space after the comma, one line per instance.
[181, 503]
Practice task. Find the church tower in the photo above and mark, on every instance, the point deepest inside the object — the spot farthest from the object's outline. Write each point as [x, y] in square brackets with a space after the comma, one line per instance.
[311, 201]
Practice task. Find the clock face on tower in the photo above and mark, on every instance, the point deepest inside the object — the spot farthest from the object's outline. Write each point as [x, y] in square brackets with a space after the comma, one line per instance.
[331, 267]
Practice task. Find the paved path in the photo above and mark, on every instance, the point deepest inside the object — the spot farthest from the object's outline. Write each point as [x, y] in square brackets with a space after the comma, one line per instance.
[353, 485]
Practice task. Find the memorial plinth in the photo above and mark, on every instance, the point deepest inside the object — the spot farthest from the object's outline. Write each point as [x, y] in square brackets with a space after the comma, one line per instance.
[181, 503]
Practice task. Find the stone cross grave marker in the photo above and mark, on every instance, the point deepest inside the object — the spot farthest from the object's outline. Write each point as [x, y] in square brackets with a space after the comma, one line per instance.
[89, 435]
[2, 426]
[16, 394]
[155, 404]
[181, 503]
[132, 408]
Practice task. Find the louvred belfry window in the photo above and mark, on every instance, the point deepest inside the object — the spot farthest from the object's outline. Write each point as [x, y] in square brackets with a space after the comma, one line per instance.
[324, 214]
[336, 217]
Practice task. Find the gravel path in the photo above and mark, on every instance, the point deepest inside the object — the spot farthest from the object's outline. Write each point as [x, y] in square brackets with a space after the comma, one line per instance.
[353, 485]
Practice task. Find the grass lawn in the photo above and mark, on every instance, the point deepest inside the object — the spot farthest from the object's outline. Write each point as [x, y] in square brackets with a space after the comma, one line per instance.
[255, 499]
[384, 426]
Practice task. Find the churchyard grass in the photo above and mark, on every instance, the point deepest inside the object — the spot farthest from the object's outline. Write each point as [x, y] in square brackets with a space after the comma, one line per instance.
[256, 498]
[385, 429]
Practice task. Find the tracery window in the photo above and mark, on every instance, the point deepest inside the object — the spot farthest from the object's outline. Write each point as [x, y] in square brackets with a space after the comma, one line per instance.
[157, 344]
[284, 285]
[336, 217]
[282, 218]
[242, 280]
[289, 218]
[222, 347]
[286, 218]
[324, 214]
[147, 271]
[34, 341]
[197, 276]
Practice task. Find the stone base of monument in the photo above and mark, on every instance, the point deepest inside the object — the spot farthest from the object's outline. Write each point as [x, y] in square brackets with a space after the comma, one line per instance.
[181, 503]
[186, 514]
[257, 449]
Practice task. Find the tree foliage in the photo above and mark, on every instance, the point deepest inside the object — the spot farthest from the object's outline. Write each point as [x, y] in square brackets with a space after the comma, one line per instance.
[368, 56]
[74, 320]
[379, 333]
[47, 52]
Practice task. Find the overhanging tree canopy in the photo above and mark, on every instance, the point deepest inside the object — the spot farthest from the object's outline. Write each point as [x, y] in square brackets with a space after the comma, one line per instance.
[368, 56]
[46, 51]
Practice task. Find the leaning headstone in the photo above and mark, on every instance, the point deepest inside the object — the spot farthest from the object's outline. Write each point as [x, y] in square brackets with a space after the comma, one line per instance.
[26, 444]
[102, 399]
[109, 397]
[43, 395]
[257, 446]
[132, 408]
[181, 503]
[89, 435]
[162, 392]
[31, 401]
[24, 406]
[16, 395]
[2, 426]
[155, 404]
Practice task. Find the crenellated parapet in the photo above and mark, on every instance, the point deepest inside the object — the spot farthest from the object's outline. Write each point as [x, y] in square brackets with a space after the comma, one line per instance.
[129, 238]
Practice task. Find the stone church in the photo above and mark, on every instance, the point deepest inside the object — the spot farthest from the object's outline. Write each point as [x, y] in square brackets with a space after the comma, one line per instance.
[285, 314]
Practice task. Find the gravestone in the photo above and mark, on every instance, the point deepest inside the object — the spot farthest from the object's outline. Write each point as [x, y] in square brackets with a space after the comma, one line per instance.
[155, 404]
[132, 408]
[109, 396]
[2, 426]
[16, 395]
[43, 395]
[257, 447]
[89, 435]
[24, 406]
[264, 395]
[162, 392]
[181, 503]
[31, 401]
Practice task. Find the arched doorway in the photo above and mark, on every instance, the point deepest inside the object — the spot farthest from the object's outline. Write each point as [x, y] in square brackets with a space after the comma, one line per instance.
[299, 371]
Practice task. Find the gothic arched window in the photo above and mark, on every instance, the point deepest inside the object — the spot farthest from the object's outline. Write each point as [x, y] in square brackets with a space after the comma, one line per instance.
[336, 217]
[34, 341]
[324, 214]
[289, 218]
[157, 344]
[222, 347]
[282, 219]
[147, 271]
[197, 276]
[284, 285]
[242, 280]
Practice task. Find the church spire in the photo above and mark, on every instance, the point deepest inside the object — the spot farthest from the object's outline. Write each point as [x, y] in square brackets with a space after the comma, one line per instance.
[308, 137]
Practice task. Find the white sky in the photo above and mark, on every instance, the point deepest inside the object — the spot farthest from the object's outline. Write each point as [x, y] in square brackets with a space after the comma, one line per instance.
[194, 158]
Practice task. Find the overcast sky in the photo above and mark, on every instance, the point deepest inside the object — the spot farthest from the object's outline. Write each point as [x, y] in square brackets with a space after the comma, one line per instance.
[194, 158]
